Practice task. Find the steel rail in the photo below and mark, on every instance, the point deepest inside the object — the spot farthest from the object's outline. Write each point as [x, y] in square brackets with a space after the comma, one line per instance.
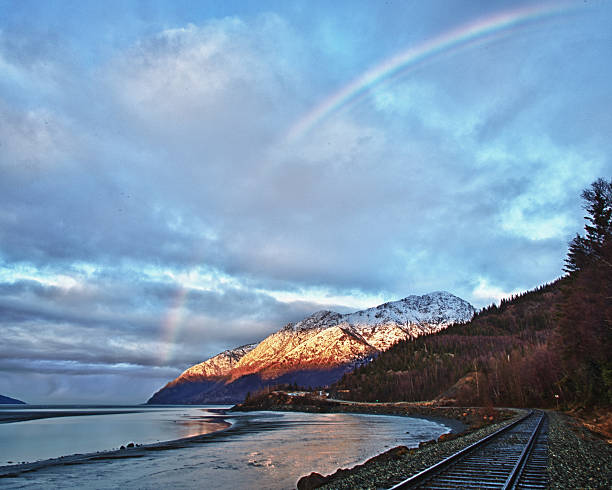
[518, 467]
[471, 475]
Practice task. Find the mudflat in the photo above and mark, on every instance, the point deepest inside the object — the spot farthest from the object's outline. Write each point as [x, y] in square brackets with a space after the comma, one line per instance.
[24, 415]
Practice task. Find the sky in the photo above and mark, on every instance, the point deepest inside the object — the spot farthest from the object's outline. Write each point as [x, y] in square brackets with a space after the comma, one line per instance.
[179, 178]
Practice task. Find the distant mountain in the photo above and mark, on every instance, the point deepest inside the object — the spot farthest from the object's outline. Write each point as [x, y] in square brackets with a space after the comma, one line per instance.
[6, 400]
[315, 351]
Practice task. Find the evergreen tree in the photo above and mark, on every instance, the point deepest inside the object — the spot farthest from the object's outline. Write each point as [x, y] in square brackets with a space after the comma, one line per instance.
[598, 204]
[585, 331]
[577, 255]
[585, 317]
[599, 207]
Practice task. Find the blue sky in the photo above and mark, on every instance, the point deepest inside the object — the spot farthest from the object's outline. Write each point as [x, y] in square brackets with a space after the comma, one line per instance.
[158, 204]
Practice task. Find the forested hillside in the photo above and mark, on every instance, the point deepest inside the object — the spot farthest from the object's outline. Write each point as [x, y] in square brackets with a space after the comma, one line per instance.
[503, 355]
[548, 347]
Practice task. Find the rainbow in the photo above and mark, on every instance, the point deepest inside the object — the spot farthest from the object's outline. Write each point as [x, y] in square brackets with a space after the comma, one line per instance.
[171, 323]
[479, 30]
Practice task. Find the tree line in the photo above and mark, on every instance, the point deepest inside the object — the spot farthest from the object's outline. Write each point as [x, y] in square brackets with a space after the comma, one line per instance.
[549, 347]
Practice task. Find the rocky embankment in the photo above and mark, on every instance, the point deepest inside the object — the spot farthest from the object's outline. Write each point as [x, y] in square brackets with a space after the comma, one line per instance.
[384, 470]
[458, 418]
[578, 458]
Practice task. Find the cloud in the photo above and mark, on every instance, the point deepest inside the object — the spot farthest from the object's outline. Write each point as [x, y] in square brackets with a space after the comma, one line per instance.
[491, 294]
[65, 334]
[199, 170]
[153, 211]
[114, 320]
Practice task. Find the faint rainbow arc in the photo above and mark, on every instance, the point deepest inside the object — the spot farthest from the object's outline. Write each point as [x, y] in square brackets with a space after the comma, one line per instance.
[170, 324]
[464, 34]
[460, 36]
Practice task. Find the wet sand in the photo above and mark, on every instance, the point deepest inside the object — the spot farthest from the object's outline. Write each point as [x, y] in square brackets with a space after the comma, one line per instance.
[259, 450]
[137, 451]
[7, 417]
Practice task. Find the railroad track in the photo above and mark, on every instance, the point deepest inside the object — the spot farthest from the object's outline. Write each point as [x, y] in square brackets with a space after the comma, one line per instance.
[513, 457]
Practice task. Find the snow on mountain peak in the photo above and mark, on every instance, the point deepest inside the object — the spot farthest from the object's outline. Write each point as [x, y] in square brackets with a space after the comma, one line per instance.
[380, 327]
[440, 308]
[324, 342]
[219, 365]
[319, 319]
[386, 324]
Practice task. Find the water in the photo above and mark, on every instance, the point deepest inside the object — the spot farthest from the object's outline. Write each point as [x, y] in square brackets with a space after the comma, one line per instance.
[258, 450]
[102, 429]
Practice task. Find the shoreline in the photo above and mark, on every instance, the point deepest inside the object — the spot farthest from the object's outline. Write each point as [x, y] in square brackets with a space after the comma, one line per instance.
[455, 426]
[465, 424]
[396, 464]
[576, 459]
[7, 417]
[458, 419]
[125, 452]
[576, 453]
[142, 450]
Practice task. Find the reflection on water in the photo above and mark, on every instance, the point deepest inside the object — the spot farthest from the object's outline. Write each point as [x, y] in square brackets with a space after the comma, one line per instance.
[194, 426]
[259, 450]
[93, 429]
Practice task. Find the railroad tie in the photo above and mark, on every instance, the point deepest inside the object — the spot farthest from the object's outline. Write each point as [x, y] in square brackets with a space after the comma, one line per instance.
[515, 456]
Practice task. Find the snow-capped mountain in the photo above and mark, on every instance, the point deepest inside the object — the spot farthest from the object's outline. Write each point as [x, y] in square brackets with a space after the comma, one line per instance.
[440, 308]
[314, 351]
[219, 365]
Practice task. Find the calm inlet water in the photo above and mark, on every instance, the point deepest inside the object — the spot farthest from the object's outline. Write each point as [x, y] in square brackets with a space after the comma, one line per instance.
[102, 429]
[258, 450]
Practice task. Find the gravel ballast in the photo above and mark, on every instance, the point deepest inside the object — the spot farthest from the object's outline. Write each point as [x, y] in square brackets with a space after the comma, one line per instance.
[577, 459]
[376, 474]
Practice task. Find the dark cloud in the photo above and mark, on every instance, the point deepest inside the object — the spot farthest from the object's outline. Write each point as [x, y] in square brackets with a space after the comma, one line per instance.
[130, 328]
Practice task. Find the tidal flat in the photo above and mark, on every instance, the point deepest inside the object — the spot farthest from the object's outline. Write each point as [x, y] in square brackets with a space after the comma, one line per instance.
[256, 449]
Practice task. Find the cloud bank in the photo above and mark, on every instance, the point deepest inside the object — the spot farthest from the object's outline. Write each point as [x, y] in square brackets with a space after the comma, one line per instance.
[153, 211]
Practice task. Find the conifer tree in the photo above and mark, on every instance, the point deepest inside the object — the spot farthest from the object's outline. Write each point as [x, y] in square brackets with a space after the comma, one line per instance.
[585, 320]
[598, 204]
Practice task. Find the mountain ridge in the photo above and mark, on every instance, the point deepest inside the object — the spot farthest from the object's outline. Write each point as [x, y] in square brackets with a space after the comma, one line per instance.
[318, 348]
[497, 357]
[7, 400]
